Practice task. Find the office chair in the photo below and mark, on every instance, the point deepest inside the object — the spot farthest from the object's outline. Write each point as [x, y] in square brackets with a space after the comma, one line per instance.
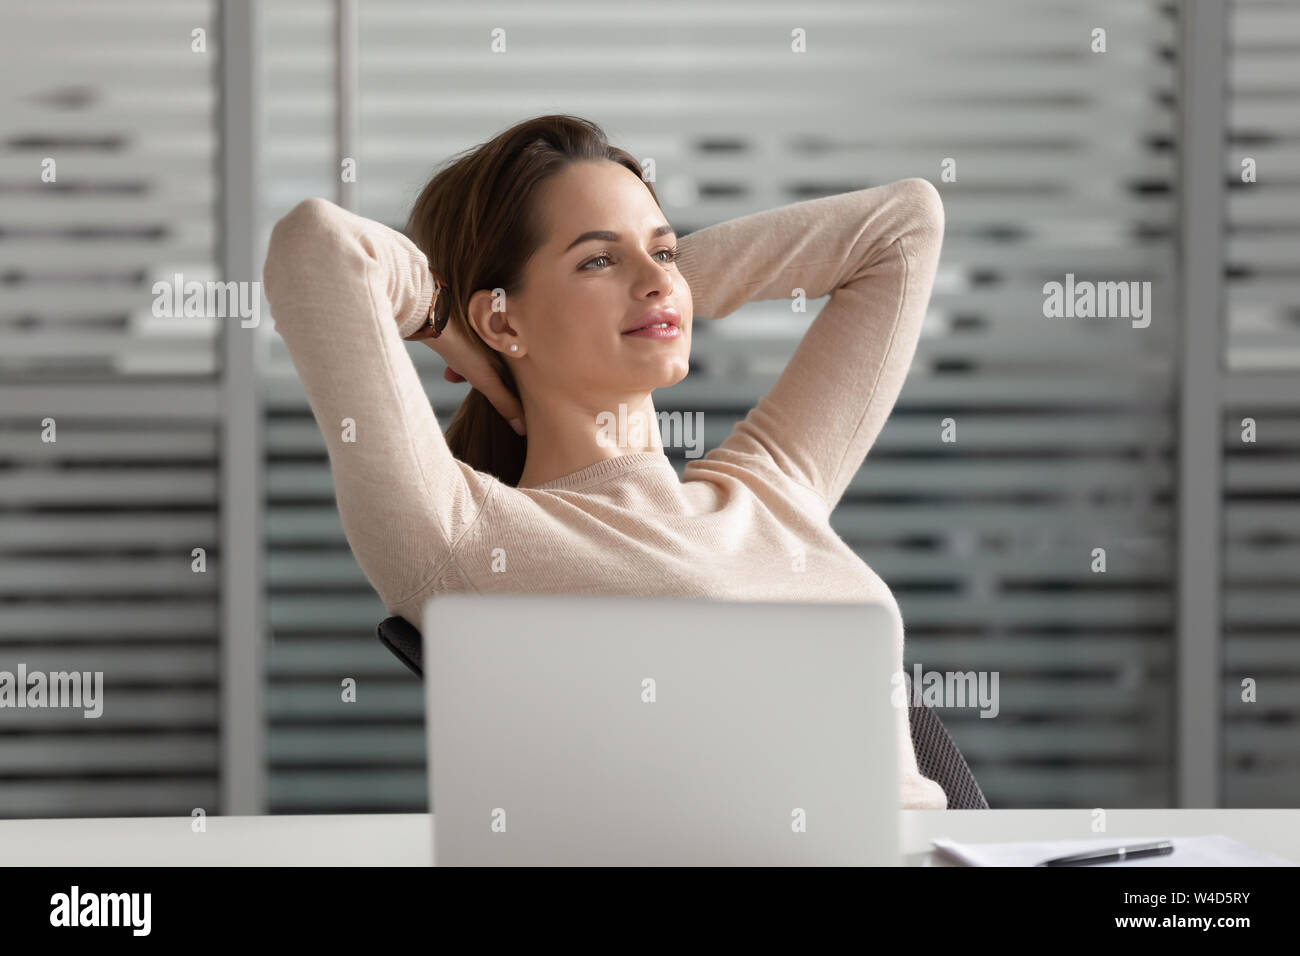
[936, 755]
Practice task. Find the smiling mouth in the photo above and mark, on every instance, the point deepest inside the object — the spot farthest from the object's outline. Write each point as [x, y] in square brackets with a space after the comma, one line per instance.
[665, 331]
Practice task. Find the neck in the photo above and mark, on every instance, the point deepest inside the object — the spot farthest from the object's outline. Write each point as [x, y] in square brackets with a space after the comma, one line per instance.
[566, 435]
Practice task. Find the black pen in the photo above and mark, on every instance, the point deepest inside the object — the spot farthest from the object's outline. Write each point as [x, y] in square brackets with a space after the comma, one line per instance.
[1114, 855]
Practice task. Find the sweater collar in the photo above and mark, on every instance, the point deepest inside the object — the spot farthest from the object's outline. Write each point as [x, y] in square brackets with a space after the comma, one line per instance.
[605, 468]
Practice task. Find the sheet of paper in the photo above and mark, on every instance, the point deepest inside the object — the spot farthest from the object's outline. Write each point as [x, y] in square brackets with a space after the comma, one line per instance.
[1216, 850]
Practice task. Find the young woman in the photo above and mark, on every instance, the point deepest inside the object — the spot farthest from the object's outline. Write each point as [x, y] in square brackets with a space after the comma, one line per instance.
[530, 264]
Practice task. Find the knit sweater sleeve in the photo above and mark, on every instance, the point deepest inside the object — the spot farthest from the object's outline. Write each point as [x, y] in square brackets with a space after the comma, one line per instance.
[875, 252]
[344, 290]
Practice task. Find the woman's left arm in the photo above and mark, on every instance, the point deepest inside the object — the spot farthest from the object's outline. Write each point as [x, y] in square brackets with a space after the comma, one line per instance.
[875, 252]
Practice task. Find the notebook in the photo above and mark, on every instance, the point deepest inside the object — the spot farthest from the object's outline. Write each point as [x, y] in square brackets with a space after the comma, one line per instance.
[1215, 850]
[595, 730]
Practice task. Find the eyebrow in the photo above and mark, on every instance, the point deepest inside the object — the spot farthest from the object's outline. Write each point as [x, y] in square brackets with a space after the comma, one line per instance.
[608, 236]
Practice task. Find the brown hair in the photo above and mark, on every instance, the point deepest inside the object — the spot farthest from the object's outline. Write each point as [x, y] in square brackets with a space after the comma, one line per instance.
[477, 222]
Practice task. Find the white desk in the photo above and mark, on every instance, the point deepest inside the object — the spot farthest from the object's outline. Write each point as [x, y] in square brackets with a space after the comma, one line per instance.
[405, 839]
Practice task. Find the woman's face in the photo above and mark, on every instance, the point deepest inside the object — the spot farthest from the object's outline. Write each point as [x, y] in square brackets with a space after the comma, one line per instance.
[582, 293]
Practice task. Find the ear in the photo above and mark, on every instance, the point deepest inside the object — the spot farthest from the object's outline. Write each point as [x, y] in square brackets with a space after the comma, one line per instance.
[494, 327]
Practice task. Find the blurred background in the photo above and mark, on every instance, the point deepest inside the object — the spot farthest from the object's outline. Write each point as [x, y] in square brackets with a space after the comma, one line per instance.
[183, 129]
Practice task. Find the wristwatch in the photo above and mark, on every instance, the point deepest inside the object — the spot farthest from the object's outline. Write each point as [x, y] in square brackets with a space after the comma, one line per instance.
[439, 313]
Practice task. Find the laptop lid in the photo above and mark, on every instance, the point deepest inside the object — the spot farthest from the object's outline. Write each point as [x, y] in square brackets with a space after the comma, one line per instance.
[601, 730]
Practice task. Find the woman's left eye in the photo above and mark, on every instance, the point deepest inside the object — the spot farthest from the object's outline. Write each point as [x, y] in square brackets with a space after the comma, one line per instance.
[672, 255]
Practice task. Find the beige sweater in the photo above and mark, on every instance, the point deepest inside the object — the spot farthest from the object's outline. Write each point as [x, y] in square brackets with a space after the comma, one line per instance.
[345, 290]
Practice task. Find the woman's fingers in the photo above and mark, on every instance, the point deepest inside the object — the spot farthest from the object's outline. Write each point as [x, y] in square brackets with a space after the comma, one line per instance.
[494, 390]
[505, 403]
[484, 378]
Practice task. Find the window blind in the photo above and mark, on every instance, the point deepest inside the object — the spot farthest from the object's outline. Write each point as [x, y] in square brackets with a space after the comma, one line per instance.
[1064, 164]
[1261, 477]
[97, 525]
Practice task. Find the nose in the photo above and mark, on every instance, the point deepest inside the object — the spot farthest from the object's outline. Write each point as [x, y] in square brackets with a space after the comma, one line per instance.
[658, 280]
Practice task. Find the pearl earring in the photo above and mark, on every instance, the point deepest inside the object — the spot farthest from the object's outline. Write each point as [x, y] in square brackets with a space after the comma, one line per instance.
[514, 348]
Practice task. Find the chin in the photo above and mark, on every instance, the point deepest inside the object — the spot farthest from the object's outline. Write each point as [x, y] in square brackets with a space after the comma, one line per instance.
[664, 378]
[676, 376]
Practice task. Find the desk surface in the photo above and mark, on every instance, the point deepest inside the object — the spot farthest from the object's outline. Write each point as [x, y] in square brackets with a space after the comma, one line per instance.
[406, 839]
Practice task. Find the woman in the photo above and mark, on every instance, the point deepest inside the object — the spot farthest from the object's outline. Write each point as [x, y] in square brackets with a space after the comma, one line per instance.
[549, 248]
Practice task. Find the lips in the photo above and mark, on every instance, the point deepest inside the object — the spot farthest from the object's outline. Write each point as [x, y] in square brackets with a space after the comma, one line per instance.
[655, 317]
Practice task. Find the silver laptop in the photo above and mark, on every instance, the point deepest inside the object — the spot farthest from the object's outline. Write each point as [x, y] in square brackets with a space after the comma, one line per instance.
[596, 731]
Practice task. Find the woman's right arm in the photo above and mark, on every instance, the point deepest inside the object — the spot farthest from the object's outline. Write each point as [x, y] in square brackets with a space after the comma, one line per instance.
[344, 291]
[875, 252]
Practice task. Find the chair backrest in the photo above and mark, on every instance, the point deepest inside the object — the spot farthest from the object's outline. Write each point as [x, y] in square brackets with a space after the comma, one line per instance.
[402, 638]
[938, 758]
[936, 755]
